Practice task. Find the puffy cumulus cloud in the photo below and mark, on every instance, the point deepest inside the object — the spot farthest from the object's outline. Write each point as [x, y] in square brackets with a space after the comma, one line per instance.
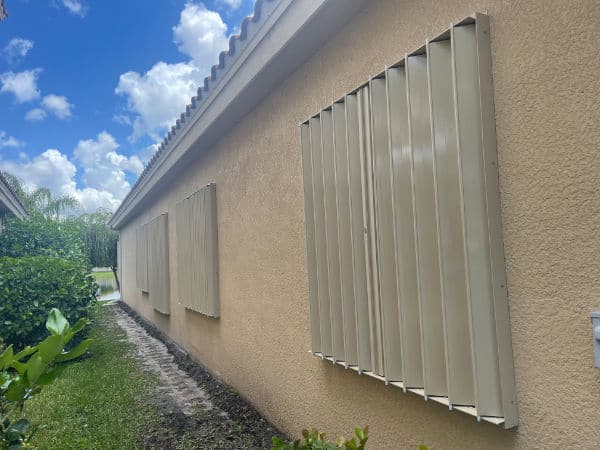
[9, 141]
[35, 115]
[17, 49]
[22, 84]
[201, 34]
[51, 169]
[157, 97]
[57, 105]
[103, 168]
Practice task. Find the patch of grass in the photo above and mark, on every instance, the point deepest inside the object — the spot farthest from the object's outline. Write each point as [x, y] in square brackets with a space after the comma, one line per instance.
[108, 275]
[98, 401]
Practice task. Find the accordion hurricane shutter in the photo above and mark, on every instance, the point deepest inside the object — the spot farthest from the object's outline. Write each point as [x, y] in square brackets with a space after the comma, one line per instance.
[141, 242]
[158, 264]
[197, 251]
[404, 243]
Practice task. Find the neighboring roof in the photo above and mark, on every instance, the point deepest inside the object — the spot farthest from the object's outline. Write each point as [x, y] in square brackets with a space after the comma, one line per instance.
[273, 42]
[9, 201]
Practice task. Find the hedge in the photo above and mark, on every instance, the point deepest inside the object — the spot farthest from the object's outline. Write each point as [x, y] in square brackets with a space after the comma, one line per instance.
[40, 236]
[32, 286]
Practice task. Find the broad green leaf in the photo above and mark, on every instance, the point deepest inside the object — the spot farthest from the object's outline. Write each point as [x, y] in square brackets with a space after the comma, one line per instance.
[56, 323]
[25, 352]
[19, 367]
[79, 325]
[18, 430]
[51, 347]
[35, 368]
[50, 375]
[16, 391]
[6, 357]
[75, 352]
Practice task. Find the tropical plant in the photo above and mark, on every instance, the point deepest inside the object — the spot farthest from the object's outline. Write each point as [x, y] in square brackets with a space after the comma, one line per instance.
[99, 241]
[31, 286]
[24, 374]
[41, 200]
[315, 440]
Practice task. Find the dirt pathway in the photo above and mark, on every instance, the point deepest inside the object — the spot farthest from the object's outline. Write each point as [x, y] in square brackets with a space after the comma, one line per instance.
[195, 410]
[154, 357]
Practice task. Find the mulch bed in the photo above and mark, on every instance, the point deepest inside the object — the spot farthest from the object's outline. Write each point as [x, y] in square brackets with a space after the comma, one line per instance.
[243, 427]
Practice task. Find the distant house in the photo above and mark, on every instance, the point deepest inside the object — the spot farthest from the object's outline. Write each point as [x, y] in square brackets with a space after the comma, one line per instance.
[370, 204]
[9, 202]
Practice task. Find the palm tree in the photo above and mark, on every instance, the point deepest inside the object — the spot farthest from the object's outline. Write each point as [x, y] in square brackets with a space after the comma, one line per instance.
[41, 200]
[3, 11]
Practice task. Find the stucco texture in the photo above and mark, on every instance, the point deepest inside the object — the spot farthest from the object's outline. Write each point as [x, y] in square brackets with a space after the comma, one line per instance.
[545, 65]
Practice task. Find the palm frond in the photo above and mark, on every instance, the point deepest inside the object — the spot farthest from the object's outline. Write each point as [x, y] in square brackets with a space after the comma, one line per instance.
[3, 11]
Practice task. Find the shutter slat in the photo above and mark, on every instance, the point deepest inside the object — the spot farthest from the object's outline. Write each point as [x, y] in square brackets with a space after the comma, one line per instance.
[432, 324]
[344, 234]
[320, 239]
[311, 255]
[405, 228]
[361, 289]
[385, 233]
[331, 236]
[461, 390]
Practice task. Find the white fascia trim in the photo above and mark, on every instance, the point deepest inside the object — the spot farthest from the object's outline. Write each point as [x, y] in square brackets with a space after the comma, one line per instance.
[12, 203]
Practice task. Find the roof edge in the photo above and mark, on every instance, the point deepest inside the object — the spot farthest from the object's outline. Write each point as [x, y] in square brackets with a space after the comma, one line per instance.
[10, 198]
[274, 41]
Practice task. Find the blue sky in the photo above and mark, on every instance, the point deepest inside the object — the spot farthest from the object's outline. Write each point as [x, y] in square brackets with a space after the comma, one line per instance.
[87, 88]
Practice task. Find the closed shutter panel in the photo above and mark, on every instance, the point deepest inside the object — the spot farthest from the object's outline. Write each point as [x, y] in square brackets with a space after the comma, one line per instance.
[404, 244]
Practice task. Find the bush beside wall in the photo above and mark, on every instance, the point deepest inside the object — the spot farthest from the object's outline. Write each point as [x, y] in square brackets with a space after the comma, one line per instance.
[32, 286]
[41, 237]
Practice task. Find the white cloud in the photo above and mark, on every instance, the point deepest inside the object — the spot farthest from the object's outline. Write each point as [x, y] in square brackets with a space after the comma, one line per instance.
[104, 183]
[22, 84]
[57, 105]
[17, 49]
[233, 4]
[157, 97]
[51, 169]
[104, 168]
[75, 7]
[35, 115]
[122, 119]
[9, 141]
[201, 34]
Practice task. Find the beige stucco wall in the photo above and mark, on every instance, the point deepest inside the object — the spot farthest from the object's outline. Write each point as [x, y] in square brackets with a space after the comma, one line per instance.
[546, 65]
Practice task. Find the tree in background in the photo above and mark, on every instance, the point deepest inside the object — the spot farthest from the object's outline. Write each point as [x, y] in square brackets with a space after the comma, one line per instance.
[54, 221]
[3, 12]
[99, 241]
[41, 201]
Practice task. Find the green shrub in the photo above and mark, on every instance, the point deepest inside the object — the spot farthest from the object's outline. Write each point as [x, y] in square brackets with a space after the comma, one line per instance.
[315, 440]
[40, 236]
[31, 286]
[24, 374]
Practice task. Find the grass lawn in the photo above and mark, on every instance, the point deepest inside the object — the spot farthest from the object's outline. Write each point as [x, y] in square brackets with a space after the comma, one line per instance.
[108, 275]
[96, 403]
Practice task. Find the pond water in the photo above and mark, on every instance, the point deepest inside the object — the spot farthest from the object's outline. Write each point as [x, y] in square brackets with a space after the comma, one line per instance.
[107, 288]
